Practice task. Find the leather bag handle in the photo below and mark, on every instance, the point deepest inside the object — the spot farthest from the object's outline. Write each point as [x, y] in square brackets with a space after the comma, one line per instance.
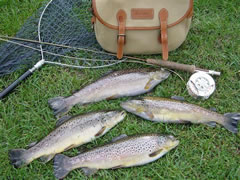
[121, 39]
[163, 16]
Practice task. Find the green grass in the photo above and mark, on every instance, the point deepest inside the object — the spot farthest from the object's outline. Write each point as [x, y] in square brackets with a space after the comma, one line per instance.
[203, 153]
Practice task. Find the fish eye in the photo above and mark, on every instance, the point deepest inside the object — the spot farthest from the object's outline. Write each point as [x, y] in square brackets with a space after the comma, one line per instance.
[123, 113]
[172, 138]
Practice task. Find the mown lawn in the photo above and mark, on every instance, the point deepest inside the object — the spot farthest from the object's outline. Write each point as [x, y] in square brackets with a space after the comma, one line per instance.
[203, 152]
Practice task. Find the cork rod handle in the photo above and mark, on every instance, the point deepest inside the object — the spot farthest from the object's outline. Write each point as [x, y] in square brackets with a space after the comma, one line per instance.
[173, 65]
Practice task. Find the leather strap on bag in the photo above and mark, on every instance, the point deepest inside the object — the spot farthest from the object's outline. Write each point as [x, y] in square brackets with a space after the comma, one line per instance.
[121, 39]
[163, 16]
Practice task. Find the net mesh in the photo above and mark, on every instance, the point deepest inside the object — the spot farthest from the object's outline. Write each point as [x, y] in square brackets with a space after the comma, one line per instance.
[63, 22]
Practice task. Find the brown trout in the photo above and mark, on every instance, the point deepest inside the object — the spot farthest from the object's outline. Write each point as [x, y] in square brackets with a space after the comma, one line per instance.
[70, 133]
[121, 153]
[172, 111]
[129, 82]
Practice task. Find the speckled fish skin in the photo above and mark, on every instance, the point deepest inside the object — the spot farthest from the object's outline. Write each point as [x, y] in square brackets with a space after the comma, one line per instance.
[125, 152]
[129, 82]
[172, 111]
[74, 132]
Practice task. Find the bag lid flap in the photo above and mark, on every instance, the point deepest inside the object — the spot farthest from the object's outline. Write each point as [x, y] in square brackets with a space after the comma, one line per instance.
[141, 14]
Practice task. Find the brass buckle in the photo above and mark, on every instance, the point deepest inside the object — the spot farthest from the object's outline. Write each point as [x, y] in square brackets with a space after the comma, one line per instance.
[122, 35]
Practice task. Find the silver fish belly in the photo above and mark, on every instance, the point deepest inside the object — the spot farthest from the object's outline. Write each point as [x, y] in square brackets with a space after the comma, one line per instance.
[115, 85]
[125, 152]
[70, 133]
[172, 111]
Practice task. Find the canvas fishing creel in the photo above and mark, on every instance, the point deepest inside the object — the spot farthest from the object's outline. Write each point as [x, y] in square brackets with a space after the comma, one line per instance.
[141, 26]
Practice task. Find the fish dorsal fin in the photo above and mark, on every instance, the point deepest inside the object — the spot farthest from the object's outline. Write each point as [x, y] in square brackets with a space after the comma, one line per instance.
[101, 131]
[155, 153]
[32, 144]
[119, 137]
[107, 73]
[89, 171]
[62, 120]
[75, 91]
[178, 98]
[213, 109]
[46, 158]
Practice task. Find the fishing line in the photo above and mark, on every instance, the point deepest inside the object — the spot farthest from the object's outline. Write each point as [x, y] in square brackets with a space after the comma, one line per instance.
[59, 28]
[76, 58]
[65, 46]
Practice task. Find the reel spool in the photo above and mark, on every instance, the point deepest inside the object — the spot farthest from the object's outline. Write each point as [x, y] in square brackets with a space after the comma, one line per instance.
[201, 85]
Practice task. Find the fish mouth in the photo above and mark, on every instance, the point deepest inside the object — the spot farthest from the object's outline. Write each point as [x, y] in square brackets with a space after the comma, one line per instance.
[128, 105]
[163, 74]
[125, 105]
[173, 143]
[176, 143]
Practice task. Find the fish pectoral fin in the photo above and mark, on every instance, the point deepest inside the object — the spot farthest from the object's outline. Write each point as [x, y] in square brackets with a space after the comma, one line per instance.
[211, 124]
[101, 131]
[119, 137]
[150, 115]
[148, 85]
[182, 121]
[70, 147]
[112, 97]
[62, 120]
[46, 158]
[89, 171]
[117, 167]
[155, 153]
[32, 144]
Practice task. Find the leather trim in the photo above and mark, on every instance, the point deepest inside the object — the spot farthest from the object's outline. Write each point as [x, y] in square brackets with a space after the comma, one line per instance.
[163, 17]
[93, 20]
[186, 15]
[121, 40]
[191, 14]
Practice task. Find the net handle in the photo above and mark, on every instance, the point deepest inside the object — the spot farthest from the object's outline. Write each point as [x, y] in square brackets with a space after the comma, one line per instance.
[39, 64]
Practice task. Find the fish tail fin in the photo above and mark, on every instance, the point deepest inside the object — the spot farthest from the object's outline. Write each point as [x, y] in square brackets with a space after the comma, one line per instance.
[231, 121]
[58, 105]
[60, 166]
[17, 157]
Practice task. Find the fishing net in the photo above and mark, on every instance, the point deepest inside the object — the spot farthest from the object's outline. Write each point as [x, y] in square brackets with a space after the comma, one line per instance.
[64, 22]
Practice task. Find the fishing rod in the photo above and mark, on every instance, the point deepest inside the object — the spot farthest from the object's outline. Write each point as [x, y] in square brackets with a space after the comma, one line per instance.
[166, 64]
[62, 30]
[162, 63]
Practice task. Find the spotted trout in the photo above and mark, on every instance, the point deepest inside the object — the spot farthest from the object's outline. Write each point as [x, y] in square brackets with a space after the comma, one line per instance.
[172, 111]
[71, 132]
[117, 84]
[123, 152]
